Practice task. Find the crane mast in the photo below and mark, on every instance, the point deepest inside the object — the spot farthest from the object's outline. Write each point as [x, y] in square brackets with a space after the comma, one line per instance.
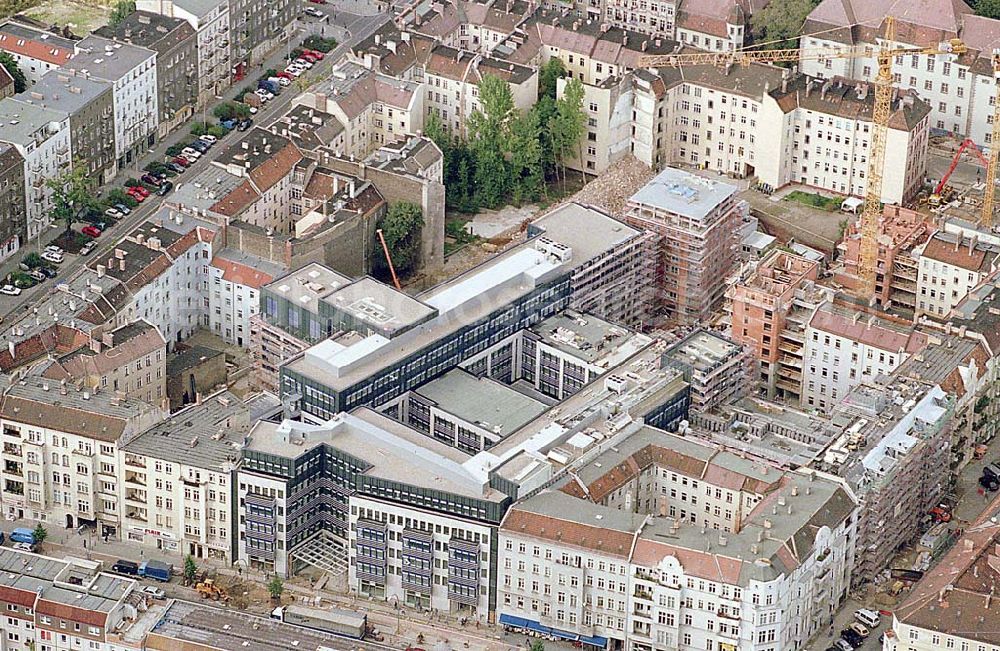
[986, 218]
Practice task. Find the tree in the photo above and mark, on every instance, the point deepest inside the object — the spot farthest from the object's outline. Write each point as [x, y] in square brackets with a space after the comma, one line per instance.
[71, 194]
[275, 587]
[489, 139]
[779, 24]
[401, 227]
[190, 569]
[548, 78]
[526, 169]
[33, 260]
[537, 645]
[545, 108]
[567, 125]
[8, 62]
[122, 10]
[40, 534]
[988, 8]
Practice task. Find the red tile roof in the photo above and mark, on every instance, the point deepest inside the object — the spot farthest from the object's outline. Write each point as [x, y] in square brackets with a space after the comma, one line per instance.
[241, 274]
[545, 527]
[963, 255]
[34, 49]
[870, 332]
[70, 613]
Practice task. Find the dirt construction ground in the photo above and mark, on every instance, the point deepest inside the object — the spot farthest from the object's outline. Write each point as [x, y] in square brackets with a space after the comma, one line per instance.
[81, 17]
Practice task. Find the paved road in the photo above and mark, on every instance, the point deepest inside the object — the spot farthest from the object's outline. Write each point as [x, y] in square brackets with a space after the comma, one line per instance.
[359, 26]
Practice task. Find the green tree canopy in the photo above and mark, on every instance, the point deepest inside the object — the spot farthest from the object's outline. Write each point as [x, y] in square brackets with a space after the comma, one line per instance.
[779, 24]
[71, 194]
[987, 8]
[568, 124]
[548, 77]
[401, 227]
[122, 10]
[8, 62]
[190, 568]
[276, 587]
[40, 534]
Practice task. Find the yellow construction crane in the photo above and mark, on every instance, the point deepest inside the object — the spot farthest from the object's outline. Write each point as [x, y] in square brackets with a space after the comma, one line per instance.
[986, 217]
[882, 110]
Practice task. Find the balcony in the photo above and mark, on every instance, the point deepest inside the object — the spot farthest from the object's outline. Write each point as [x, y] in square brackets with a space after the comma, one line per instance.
[135, 478]
[642, 594]
[8, 431]
[10, 448]
[136, 514]
[135, 462]
[135, 495]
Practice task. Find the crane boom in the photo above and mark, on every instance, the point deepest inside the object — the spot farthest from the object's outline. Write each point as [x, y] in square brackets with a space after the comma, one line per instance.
[986, 218]
[884, 56]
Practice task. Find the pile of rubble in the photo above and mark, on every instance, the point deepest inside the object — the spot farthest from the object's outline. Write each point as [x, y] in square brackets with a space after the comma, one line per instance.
[612, 189]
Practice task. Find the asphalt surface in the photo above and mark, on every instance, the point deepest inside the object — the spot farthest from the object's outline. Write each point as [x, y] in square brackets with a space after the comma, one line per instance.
[348, 28]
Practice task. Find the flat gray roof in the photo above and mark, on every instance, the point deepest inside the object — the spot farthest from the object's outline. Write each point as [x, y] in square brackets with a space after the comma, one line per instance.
[207, 435]
[106, 59]
[60, 91]
[582, 335]
[482, 401]
[683, 193]
[203, 191]
[307, 285]
[702, 350]
[19, 121]
[379, 305]
[601, 232]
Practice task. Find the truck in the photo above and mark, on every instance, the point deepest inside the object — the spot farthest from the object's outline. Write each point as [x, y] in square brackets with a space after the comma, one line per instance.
[156, 570]
[270, 86]
[22, 535]
[331, 620]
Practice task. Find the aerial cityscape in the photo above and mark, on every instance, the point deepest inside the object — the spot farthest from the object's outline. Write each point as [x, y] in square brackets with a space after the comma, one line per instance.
[499, 325]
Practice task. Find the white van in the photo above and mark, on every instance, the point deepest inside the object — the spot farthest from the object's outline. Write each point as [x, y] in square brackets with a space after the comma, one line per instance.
[869, 618]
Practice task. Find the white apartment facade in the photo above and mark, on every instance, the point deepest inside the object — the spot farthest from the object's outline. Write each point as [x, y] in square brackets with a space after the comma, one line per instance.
[842, 351]
[132, 72]
[211, 22]
[234, 298]
[42, 136]
[950, 266]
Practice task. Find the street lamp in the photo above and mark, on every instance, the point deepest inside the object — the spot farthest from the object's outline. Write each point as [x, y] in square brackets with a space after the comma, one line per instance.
[395, 605]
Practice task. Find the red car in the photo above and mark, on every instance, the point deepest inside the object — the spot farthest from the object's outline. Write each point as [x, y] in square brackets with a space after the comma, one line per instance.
[286, 75]
[92, 231]
[318, 2]
[180, 160]
[141, 190]
[317, 54]
[309, 57]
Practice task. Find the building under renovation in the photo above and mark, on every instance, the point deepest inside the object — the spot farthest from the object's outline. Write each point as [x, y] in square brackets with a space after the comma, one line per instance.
[695, 220]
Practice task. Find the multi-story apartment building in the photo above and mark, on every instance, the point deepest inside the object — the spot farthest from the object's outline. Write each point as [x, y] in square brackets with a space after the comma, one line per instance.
[661, 541]
[90, 106]
[259, 26]
[950, 266]
[130, 361]
[177, 479]
[468, 314]
[816, 132]
[452, 76]
[265, 161]
[948, 610]
[845, 347]
[770, 308]
[375, 109]
[716, 368]
[695, 220]
[131, 70]
[42, 137]
[35, 50]
[901, 231]
[210, 19]
[959, 88]
[234, 296]
[66, 603]
[60, 451]
[176, 45]
[12, 200]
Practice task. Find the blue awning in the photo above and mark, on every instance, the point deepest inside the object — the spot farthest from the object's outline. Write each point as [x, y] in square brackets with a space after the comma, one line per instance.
[527, 624]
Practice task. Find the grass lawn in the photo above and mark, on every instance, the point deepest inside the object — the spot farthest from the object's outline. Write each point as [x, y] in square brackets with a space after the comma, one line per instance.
[815, 200]
[82, 17]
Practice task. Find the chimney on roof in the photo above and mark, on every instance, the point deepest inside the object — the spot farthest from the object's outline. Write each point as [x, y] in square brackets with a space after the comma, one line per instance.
[809, 86]
[958, 243]
[10, 349]
[644, 46]
[784, 80]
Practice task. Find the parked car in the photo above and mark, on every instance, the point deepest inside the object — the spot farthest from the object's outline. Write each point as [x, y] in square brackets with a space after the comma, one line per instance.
[88, 247]
[122, 208]
[10, 290]
[165, 188]
[138, 189]
[138, 196]
[228, 124]
[304, 63]
[114, 213]
[852, 638]
[309, 57]
[91, 231]
[55, 258]
[175, 167]
[860, 629]
[191, 154]
[992, 470]
[129, 568]
[313, 11]
[295, 71]
[48, 271]
[264, 95]
[209, 138]
[843, 645]
[318, 2]
[316, 53]
[244, 125]
[23, 547]
[152, 591]
[150, 179]
[284, 81]
[200, 146]
[23, 535]
[182, 161]
[868, 617]
[989, 483]
[37, 275]
[284, 74]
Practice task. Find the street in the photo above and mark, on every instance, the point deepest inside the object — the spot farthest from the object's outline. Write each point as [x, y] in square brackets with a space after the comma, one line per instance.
[358, 26]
